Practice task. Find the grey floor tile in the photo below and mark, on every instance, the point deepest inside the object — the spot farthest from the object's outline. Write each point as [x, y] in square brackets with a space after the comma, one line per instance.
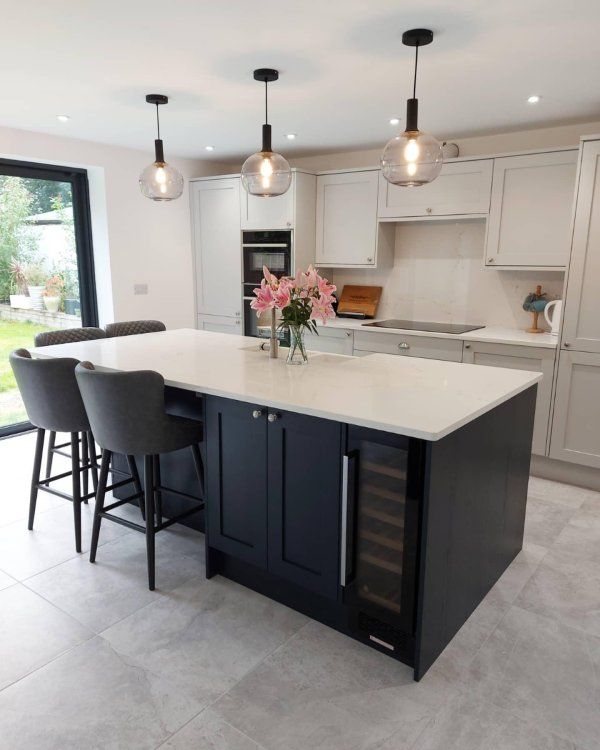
[6, 580]
[563, 494]
[581, 536]
[116, 585]
[92, 698]
[205, 635]
[322, 689]
[208, 731]
[544, 672]
[466, 723]
[32, 632]
[520, 571]
[545, 520]
[25, 553]
[567, 588]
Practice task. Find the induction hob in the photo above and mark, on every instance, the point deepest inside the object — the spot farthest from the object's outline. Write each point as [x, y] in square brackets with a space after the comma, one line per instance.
[413, 325]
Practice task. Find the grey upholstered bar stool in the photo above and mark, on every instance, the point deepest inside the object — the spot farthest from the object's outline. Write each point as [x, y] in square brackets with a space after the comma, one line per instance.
[127, 415]
[52, 400]
[70, 336]
[134, 327]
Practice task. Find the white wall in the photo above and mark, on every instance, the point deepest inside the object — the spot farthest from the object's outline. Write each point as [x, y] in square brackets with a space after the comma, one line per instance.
[439, 274]
[135, 239]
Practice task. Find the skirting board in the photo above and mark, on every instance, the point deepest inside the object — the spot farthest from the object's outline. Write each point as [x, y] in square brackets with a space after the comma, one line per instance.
[563, 471]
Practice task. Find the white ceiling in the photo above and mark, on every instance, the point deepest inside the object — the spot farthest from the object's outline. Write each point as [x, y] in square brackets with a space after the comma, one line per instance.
[344, 71]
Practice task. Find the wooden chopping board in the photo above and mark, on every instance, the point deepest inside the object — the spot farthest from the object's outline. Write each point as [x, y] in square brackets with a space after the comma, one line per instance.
[360, 299]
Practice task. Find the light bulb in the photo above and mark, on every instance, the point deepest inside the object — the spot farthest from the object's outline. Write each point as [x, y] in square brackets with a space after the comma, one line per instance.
[266, 168]
[160, 175]
[411, 150]
[411, 169]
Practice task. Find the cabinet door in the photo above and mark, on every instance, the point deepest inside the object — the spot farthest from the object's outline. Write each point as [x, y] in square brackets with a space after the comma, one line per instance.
[334, 340]
[408, 345]
[304, 501]
[236, 479]
[460, 188]
[220, 324]
[268, 213]
[576, 419]
[347, 218]
[531, 209]
[217, 246]
[532, 359]
[581, 327]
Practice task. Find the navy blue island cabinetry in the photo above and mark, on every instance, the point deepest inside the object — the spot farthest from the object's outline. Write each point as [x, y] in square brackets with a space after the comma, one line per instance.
[389, 539]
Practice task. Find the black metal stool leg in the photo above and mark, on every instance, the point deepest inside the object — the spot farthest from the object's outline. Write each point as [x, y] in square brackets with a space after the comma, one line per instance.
[137, 484]
[35, 475]
[100, 494]
[149, 497]
[93, 461]
[75, 468]
[199, 467]
[157, 492]
[85, 462]
[50, 456]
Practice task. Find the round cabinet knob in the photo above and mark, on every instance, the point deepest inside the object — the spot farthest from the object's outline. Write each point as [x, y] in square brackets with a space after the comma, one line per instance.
[348, 333]
[491, 260]
[369, 260]
[467, 346]
[238, 322]
[257, 413]
[238, 313]
[567, 345]
[403, 345]
[289, 224]
[273, 417]
[429, 210]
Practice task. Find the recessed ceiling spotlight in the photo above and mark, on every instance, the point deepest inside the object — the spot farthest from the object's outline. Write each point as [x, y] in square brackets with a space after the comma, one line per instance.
[290, 136]
[209, 148]
[62, 118]
[533, 99]
[395, 121]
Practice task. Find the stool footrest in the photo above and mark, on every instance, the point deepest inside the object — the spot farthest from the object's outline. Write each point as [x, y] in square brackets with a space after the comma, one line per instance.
[123, 521]
[178, 493]
[124, 501]
[179, 517]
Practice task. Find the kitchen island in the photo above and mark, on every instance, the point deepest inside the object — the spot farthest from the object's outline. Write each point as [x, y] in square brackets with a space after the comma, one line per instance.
[383, 496]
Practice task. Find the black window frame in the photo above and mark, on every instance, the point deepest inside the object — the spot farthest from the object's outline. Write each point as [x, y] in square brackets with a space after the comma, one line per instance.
[80, 192]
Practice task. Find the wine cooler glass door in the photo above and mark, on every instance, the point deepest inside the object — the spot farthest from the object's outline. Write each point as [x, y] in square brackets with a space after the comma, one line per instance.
[379, 542]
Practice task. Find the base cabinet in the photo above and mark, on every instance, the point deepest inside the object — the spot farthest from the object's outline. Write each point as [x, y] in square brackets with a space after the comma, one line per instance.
[274, 491]
[576, 419]
[220, 323]
[332, 340]
[533, 359]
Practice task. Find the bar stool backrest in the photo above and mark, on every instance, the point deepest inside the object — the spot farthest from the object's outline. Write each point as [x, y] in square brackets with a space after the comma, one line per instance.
[68, 336]
[50, 392]
[126, 409]
[134, 327]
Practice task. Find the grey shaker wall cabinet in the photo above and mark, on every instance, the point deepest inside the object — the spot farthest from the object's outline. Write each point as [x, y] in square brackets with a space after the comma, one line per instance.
[576, 420]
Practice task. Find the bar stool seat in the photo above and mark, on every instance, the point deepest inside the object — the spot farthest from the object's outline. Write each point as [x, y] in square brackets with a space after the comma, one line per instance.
[127, 415]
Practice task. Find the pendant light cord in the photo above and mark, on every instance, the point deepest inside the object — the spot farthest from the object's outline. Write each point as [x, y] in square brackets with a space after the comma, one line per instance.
[416, 65]
[157, 122]
[266, 102]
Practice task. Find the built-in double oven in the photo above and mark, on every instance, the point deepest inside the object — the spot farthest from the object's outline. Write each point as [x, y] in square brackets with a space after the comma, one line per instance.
[272, 249]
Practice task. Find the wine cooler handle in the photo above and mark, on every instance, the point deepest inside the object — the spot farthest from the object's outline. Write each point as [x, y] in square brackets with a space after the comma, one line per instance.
[344, 530]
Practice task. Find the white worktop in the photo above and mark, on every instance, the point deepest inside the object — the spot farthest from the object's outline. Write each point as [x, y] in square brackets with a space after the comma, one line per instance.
[488, 334]
[422, 398]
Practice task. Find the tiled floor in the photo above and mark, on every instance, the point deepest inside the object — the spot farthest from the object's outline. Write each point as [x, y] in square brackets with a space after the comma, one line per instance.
[89, 658]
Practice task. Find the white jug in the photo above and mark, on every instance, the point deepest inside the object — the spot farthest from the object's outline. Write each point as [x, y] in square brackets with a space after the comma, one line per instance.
[554, 319]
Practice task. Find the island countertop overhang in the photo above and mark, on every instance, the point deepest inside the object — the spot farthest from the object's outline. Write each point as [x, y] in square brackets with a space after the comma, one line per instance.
[421, 398]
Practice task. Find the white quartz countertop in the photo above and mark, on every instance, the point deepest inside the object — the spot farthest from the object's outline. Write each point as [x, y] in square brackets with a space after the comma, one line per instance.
[488, 334]
[420, 398]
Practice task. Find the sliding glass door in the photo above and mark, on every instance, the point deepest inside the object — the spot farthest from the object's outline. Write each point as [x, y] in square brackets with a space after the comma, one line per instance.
[46, 265]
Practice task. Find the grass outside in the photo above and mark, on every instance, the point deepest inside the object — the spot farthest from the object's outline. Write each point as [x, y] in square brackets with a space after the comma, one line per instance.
[13, 334]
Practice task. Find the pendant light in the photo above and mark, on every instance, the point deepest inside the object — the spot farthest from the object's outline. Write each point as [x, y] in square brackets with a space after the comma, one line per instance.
[412, 158]
[160, 181]
[266, 173]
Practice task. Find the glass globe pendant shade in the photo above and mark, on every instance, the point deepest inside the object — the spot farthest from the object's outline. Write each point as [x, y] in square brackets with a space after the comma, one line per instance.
[160, 181]
[266, 174]
[412, 159]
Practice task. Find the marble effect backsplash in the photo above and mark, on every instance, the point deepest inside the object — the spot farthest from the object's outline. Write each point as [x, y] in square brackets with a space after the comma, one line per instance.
[439, 275]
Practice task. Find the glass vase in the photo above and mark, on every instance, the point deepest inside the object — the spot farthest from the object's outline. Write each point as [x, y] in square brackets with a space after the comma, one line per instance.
[297, 351]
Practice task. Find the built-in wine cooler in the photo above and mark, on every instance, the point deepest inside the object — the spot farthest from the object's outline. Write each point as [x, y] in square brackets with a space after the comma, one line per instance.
[382, 489]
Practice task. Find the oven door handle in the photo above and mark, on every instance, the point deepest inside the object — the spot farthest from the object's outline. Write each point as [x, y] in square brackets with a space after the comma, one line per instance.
[264, 244]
